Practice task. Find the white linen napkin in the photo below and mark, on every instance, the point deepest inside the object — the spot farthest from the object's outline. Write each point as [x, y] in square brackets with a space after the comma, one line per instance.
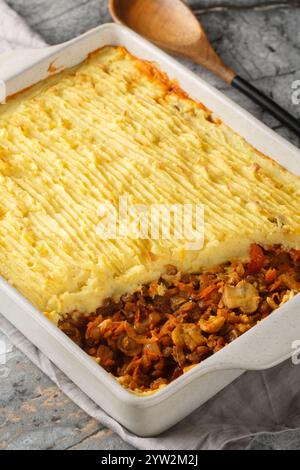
[267, 401]
[14, 32]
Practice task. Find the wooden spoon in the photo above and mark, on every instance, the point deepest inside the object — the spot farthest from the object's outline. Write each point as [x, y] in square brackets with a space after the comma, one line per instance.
[173, 26]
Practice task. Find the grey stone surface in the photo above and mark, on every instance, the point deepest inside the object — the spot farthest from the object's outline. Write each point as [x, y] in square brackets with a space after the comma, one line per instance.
[34, 413]
[260, 39]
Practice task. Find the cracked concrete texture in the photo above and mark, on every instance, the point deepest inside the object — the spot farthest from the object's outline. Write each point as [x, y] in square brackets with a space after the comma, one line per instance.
[260, 40]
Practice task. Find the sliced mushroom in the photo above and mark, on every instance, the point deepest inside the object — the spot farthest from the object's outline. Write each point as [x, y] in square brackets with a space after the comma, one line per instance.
[128, 346]
[271, 302]
[152, 349]
[243, 296]
[188, 335]
[212, 325]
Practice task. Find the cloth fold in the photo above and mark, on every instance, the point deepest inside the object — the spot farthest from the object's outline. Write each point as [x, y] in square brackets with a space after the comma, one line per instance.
[14, 32]
[257, 402]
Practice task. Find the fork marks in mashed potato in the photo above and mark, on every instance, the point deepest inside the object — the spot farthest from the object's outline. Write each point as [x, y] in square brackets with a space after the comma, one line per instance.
[115, 126]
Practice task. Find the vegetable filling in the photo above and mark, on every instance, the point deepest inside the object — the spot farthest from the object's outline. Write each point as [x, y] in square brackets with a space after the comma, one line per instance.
[151, 337]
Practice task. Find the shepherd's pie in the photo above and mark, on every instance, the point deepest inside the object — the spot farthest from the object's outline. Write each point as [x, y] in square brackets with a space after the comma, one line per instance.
[117, 126]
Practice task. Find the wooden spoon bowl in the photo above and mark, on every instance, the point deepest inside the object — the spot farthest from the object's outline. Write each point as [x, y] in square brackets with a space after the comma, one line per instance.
[173, 27]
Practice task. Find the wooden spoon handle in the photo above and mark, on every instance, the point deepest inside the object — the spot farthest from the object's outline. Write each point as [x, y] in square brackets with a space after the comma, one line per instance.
[267, 103]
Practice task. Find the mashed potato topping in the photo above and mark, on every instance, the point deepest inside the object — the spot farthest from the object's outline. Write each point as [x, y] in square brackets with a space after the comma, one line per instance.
[116, 126]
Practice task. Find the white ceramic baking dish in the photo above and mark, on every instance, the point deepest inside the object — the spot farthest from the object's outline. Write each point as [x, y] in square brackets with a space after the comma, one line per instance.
[265, 345]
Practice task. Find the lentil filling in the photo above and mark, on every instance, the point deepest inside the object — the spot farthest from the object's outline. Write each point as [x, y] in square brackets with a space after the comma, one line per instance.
[151, 337]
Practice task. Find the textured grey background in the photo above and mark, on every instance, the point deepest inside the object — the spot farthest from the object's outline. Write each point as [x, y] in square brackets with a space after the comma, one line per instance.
[260, 39]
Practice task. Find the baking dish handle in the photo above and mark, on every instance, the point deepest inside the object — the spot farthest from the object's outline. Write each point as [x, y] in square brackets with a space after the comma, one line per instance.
[269, 343]
[14, 62]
